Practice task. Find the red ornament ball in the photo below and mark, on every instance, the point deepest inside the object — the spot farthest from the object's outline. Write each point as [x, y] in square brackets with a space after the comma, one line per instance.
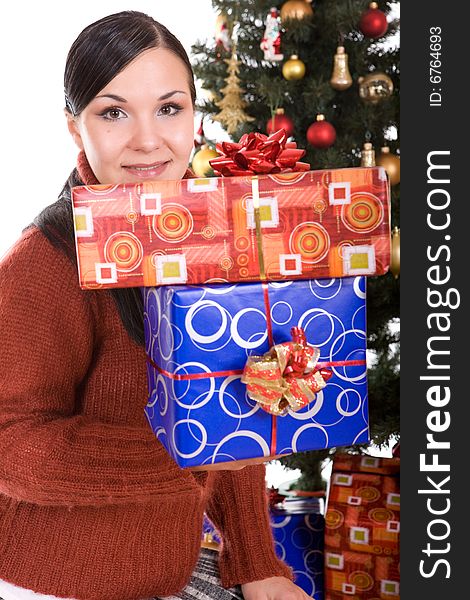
[373, 22]
[321, 134]
[280, 121]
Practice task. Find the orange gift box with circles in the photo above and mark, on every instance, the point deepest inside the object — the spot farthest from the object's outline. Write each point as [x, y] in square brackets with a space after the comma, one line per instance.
[307, 225]
[362, 528]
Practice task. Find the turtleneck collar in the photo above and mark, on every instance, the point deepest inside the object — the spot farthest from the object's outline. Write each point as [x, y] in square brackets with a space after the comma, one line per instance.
[86, 174]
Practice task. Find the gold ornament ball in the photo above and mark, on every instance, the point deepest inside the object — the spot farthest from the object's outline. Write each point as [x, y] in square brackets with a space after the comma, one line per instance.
[293, 68]
[391, 163]
[200, 163]
[395, 253]
[374, 87]
[296, 9]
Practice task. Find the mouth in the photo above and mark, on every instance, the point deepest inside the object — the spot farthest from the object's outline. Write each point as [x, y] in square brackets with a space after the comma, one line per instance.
[147, 170]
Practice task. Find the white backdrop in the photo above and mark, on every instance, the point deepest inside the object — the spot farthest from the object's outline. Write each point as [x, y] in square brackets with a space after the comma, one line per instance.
[37, 153]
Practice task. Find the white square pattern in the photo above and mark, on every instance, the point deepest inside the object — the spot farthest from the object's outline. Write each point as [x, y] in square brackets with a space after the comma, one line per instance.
[151, 204]
[354, 500]
[342, 479]
[171, 268]
[348, 588]
[334, 561]
[359, 535]
[208, 184]
[106, 273]
[339, 193]
[290, 264]
[83, 221]
[269, 213]
[389, 588]
[358, 260]
[370, 461]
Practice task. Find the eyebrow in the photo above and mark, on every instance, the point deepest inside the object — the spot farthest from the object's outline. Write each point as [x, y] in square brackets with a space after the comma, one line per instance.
[121, 99]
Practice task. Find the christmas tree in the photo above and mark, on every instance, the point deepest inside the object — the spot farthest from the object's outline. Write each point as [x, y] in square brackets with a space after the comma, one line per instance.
[351, 79]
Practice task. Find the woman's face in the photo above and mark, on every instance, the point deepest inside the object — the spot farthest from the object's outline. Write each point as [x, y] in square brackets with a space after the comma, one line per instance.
[141, 125]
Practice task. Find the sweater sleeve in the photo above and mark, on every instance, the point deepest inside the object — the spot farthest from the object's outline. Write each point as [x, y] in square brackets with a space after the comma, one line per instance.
[50, 453]
[238, 508]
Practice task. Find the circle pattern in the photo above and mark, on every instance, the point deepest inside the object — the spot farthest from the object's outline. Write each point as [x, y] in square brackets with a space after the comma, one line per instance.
[362, 580]
[226, 263]
[124, 249]
[334, 518]
[174, 224]
[381, 515]
[364, 213]
[368, 494]
[241, 242]
[310, 240]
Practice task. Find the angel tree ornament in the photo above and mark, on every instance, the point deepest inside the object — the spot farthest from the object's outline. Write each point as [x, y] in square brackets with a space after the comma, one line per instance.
[271, 42]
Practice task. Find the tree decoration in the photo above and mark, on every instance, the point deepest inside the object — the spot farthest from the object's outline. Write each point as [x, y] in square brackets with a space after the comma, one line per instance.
[232, 104]
[199, 137]
[293, 68]
[315, 41]
[373, 22]
[271, 42]
[200, 163]
[341, 77]
[321, 134]
[375, 87]
[368, 155]
[279, 120]
[296, 9]
[222, 34]
[391, 163]
[395, 253]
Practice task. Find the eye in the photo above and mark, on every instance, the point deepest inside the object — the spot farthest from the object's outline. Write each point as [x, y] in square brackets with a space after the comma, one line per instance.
[169, 110]
[112, 114]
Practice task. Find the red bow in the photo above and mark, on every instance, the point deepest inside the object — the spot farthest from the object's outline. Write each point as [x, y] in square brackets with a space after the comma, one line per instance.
[259, 154]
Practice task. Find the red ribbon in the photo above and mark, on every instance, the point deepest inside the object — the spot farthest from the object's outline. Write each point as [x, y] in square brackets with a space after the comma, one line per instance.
[259, 154]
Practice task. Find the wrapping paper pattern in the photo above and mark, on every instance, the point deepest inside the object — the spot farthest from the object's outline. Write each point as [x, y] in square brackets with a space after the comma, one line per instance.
[331, 223]
[362, 529]
[298, 530]
[199, 338]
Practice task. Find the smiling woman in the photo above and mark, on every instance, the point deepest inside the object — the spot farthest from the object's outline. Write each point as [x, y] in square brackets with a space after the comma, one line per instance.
[91, 505]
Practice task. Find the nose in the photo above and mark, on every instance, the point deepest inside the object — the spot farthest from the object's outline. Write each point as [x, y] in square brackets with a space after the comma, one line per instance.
[146, 135]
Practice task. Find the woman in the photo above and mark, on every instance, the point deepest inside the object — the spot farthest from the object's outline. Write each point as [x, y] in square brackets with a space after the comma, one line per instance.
[91, 505]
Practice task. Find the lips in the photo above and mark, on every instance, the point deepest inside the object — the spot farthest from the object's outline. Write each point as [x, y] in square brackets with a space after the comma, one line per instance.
[146, 171]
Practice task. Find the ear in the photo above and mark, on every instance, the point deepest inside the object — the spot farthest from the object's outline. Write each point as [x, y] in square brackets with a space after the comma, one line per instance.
[73, 128]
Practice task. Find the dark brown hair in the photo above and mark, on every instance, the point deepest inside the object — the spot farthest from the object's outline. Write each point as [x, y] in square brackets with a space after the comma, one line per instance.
[100, 52]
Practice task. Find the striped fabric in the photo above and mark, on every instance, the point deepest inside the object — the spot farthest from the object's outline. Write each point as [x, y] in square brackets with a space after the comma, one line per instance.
[205, 582]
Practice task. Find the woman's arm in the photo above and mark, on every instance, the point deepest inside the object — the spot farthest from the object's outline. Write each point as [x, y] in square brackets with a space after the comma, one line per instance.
[49, 452]
[238, 508]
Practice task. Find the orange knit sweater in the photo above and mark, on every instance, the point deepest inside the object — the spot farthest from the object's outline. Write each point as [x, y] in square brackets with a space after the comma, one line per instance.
[91, 505]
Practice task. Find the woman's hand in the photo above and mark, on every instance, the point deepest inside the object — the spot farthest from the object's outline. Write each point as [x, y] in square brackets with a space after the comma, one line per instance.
[273, 588]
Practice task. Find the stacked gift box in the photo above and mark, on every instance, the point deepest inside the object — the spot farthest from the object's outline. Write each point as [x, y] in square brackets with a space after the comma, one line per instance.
[267, 265]
[198, 341]
[298, 529]
[362, 525]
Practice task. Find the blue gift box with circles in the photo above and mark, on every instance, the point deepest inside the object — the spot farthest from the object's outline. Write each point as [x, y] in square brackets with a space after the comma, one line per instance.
[198, 339]
[298, 529]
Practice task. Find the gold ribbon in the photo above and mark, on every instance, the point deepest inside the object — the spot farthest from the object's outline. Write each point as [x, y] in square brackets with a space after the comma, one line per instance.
[285, 377]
